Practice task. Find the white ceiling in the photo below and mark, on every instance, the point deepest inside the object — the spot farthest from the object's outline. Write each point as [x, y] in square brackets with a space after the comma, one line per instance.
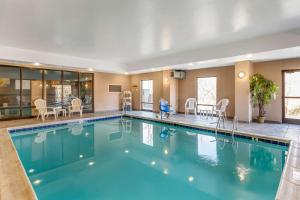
[138, 35]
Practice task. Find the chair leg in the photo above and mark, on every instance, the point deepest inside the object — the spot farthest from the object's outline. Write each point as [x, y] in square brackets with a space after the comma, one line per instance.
[223, 119]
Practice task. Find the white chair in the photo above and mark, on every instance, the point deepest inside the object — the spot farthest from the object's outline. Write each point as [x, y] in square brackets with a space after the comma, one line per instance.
[75, 107]
[220, 109]
[191, 104]
[43, 110]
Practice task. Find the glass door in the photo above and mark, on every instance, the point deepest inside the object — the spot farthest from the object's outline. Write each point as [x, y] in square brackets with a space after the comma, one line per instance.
[53, 88]
[32, 89]
[291, 96]
[70, 87]
[147, 95]
[86, 91]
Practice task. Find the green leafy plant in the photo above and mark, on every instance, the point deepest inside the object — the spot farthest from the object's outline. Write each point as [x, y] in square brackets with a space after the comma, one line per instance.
[262, 90]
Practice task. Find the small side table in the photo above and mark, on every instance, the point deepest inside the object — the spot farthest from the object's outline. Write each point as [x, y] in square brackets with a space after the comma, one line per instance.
[61, 110]
[207, 111]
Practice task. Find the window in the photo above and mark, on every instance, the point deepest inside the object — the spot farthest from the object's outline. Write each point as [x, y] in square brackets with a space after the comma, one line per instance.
[147, 95]
[20, 87]
[10, 100]
[207, 91]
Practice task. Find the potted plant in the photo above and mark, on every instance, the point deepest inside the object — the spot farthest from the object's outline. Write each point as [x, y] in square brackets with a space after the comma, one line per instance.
[262, 90]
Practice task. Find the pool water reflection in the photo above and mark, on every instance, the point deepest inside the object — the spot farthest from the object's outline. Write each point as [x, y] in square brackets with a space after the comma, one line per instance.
[136, 159]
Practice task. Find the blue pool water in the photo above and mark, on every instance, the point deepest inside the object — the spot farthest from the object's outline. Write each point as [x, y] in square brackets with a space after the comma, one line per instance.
[137, 159]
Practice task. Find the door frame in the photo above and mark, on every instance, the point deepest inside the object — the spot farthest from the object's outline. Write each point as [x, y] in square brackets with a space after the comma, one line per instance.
[287, 120]
[141, 96]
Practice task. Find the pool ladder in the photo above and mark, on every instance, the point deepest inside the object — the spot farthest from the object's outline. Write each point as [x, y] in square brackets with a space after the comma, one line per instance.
[234, 128]
[235, 124]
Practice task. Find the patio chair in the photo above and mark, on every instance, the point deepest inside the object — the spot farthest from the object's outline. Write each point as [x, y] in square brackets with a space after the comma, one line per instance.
[75, 107]
[191, 104]
[164, 108]
[43, 110]
[220, 109]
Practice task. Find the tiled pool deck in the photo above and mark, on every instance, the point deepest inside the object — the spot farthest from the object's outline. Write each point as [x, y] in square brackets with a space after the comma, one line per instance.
[14, 182]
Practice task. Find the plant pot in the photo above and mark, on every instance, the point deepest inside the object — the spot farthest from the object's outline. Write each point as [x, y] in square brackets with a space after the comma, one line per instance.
[261, 120]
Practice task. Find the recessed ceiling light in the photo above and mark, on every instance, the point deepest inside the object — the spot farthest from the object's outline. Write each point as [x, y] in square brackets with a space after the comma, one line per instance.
[249, 55]
[80, 156]
[207, 61]
[126, 151]
[36, 64]
[31, 170]
[153, 163]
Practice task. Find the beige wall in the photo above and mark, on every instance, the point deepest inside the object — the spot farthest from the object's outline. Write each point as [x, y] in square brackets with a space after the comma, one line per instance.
[158, 88]
[225, 85]
[104, 100]
[273, 71]
[187, 88]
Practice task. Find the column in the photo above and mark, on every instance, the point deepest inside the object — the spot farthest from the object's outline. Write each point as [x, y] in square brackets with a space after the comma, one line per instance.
[243, 108]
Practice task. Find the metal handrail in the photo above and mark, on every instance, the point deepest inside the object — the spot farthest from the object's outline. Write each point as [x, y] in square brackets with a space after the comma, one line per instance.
[235, 124]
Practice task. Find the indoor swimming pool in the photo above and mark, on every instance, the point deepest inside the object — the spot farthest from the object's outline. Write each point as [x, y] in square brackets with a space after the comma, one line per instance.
[139, 159]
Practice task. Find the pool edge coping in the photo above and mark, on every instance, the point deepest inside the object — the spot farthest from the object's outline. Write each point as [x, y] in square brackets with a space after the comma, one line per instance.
[27, 187]
[282, 188]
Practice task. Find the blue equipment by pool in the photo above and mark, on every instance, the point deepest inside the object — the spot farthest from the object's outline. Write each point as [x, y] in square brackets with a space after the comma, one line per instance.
[164, 108]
